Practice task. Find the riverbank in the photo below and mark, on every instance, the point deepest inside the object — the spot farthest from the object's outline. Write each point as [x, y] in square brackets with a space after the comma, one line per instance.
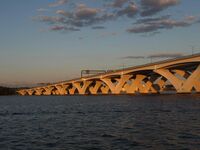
[8, 91]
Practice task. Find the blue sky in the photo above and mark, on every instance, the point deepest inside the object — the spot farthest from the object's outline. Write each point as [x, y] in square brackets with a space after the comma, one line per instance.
[52, 40]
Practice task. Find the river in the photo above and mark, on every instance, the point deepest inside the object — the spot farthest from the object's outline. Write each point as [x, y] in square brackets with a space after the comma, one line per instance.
[100, 122]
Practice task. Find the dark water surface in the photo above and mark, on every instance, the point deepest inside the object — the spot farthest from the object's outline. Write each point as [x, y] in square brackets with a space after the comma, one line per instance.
[100, 122]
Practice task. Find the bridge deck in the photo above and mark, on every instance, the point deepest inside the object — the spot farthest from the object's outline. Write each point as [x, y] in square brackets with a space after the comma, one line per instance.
[136, 68]
[182, 73]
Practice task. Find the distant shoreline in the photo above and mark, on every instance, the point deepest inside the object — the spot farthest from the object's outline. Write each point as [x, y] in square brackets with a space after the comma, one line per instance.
[7, 91]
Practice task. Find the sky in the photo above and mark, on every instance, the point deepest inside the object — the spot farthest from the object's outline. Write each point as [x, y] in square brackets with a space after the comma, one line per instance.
[44, 41]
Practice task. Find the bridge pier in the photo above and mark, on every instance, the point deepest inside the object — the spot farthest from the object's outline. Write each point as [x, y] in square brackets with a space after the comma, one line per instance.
[135, 84]
[39, 91]
[61, 89]
[22, 92]
[193, 81]
[94, 89]
[184, 85]
[82, 86]
[105, 89]
[30, 92]
[48, 90]
[160, 82]
[116, 88]
[180, 75]
[72, 90]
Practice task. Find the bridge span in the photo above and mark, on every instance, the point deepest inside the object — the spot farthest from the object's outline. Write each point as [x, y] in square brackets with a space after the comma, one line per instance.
[179, 75]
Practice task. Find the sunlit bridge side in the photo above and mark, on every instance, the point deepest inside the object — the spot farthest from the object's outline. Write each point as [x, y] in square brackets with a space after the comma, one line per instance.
[180, 75]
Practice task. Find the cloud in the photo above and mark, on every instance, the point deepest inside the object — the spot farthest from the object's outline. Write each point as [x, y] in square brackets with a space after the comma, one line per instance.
[165, 55]
[118, 3]
[133, 57]
[158, 55]
[64, 13]
[98, 27]
[80, 38]
[148, 25]
[58, 3]
[50, 19]
[143, 29]
[63, 28]
[84, 12]
[151, 19]
[42, 9]
[57, 28]
[106, 34]
[78, 15]
[191, 18]
[129, 11]
[151, 7]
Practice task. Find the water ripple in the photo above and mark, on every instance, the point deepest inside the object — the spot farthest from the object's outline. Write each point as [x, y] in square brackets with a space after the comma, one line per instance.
[96, 123]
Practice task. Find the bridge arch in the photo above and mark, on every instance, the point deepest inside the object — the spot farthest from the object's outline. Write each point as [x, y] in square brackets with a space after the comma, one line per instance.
[181, 75]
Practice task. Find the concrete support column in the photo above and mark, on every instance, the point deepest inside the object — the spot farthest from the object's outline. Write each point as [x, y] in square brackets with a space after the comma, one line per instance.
[182, 86]
[135, 84]
[38, 92]
[48, 90]
[116, 89]
[197, 86]
[176, 82]
[161, 84]
[82, 88]
[61, 89]
[94, 89]
[22, 92]
[72, 90]
[192, 81]
[147, 88]
[105, 89]
[30, 92]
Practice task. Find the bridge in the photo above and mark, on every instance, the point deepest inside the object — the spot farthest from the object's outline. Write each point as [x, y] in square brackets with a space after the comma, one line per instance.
[178, 75]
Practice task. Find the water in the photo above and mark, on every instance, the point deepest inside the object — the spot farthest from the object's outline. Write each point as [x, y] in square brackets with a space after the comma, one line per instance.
[100, 122]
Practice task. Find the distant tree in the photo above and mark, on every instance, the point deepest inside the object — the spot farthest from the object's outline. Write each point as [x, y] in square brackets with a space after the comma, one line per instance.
[8, 91]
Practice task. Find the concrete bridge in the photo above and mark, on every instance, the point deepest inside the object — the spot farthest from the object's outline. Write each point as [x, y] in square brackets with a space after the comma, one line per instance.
[179, 75]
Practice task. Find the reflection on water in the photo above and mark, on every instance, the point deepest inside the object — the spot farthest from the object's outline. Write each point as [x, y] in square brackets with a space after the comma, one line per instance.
[100, 122]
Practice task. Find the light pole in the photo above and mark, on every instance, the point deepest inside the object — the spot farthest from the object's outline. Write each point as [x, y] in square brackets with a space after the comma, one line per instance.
[192, 50]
